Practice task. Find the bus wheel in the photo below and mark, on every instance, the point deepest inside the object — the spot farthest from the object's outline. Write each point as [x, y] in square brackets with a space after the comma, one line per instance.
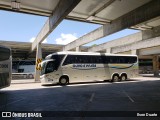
[64, 80]
[123, 77]
[115, 78]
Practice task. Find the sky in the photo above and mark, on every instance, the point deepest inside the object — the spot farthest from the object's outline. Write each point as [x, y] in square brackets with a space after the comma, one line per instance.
[24, 28]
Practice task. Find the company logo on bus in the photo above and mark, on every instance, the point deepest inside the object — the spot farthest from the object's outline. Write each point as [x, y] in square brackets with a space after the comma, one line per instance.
[84, 66]
[3, 65]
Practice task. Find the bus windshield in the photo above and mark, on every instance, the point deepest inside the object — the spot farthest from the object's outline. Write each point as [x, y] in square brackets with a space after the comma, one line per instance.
[4, 53]
[5, 67]
[48, 67]
[43, 65]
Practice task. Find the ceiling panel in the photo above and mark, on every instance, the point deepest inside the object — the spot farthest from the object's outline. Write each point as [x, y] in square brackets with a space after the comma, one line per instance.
[38, 7]
[119, 8]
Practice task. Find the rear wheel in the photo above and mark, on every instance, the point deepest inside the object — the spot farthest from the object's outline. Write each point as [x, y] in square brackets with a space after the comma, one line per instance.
[115, 78]
[123, 77]
[64, 80]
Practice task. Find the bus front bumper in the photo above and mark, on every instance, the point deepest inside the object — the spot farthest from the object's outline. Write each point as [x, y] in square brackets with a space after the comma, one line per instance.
[44, 80]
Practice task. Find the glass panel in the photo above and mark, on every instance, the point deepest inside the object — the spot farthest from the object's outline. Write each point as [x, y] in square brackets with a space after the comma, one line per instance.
[50, 67]
[4, 53]
[57, 60]
[99, 59]
[43, 65]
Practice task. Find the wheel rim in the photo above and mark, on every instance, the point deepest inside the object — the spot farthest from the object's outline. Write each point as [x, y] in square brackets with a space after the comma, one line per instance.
[63, 81]
[123, 78]
[116, 78]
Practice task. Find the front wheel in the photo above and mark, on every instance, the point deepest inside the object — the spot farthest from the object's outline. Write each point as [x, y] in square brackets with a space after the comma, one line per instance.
[64, 80]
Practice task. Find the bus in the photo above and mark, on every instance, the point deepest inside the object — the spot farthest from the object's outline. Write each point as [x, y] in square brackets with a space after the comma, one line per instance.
[5, 66]
[68, 67]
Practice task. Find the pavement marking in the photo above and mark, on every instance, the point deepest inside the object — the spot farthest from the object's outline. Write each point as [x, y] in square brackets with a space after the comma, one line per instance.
[91, 98]
[128, 96]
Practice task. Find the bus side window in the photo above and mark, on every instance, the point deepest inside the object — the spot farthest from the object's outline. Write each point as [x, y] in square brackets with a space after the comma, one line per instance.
[132, 59]
[77, 59]
[105, 59]
[67, 60]
[122, 60]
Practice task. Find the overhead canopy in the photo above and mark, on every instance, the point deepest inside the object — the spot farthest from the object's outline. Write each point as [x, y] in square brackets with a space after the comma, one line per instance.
[21, 49]
[94, 11]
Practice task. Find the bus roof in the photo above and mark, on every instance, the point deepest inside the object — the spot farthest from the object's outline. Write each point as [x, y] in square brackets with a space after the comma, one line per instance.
[5, 47]
[86, 53]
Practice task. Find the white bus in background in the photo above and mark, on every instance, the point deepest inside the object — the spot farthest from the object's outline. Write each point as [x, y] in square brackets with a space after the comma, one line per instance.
[68, 67]
[5, 67]
[23, 69]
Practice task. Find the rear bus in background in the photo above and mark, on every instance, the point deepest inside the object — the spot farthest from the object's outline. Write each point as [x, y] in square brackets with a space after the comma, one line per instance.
[5, 66]
[68, 67]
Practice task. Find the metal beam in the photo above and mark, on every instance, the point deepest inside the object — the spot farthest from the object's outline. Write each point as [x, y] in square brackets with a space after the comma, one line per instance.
[139, 15]
[62, 10]
[93, 15]
[146, 34]
[150, 51]
[138, 45]
[117, 42]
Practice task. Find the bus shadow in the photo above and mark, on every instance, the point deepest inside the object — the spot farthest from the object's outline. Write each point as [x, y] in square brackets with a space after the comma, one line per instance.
[47, 85]
[92, 82]
[87, 82]
[75, 83]
[130, 80]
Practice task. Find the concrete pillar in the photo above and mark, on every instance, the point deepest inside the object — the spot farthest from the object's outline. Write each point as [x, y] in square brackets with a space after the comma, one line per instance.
[78, 49]
[38, 57]
[134, 52]
[63, 49]
[108, 50]
[156, 65]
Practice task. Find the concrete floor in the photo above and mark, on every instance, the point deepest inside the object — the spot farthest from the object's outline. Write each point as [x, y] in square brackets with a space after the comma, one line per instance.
[141, 94]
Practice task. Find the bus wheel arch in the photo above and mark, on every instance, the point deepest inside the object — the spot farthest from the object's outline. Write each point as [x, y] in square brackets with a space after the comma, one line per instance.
[123, 77]
[115, 77]
[64, 80]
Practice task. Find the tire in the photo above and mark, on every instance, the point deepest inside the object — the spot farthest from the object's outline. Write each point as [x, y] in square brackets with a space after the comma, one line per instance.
[64, 80]
[123, 77]
[115, 78]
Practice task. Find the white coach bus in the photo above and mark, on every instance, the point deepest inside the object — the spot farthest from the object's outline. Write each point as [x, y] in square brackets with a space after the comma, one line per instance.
[68, 67]
[5, 66]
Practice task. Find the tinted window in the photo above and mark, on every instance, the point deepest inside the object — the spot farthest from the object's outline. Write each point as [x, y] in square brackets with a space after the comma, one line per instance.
[71, 59]
[50, 67]
[4, 53]
[57, 60]
[43, 65]
[121, 59]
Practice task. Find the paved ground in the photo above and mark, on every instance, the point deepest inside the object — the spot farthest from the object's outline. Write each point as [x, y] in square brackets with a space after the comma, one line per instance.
[142, 94]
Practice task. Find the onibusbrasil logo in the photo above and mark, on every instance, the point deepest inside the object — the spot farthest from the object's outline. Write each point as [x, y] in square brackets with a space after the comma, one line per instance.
[21, 114]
